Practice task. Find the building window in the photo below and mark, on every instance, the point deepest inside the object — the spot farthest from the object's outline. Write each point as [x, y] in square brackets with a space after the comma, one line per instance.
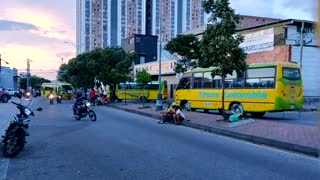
[142, 59]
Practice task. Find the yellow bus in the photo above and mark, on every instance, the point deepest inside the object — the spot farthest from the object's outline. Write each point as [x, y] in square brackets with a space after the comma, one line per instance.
[132, 91]
[262, 88]
[65, 89]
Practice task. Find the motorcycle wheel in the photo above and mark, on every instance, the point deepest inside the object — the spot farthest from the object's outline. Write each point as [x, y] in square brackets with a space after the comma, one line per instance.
[92, 115]
[13, 145]
[51, 101]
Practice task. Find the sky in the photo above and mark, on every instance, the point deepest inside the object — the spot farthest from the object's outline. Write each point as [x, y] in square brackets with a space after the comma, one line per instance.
[38, 30]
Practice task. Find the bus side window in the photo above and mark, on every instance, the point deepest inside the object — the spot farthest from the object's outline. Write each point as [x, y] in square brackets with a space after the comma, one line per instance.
[207, 80]
[197, 80]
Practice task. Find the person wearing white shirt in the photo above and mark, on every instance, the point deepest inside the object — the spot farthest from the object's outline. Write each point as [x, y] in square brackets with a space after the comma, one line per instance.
[179, 116]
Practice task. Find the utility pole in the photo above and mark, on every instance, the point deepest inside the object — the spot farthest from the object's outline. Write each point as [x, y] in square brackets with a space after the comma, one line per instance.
[28, 74]
[0, 70]
[301, 43]
[159, 99]
[0, 61]
[1, 67]
[61, 60]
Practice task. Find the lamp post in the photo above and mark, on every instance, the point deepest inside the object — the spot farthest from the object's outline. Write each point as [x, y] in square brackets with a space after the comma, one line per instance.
[301, 43]
[159, 99]
[66, 42]
[28, 74]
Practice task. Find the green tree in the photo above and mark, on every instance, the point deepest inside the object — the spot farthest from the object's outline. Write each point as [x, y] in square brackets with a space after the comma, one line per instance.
[220, 43]
[34, 81]
[110, 65]
[187, 47]
[143, 78]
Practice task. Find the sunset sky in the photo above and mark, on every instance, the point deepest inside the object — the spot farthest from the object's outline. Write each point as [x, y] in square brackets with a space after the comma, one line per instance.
[38, 29]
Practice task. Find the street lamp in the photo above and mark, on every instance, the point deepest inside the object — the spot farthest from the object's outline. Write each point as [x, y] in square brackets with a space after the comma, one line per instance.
[66, 42]
[159, 99]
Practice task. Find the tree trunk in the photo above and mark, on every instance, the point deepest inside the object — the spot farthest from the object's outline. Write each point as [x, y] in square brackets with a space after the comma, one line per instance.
[113, 93]
[223, 89]
[143, 98]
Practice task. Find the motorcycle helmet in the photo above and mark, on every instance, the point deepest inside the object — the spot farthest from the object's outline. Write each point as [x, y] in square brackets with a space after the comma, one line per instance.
[79, 94]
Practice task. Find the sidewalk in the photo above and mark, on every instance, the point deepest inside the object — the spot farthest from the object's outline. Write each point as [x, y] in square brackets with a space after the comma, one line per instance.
[297, 138]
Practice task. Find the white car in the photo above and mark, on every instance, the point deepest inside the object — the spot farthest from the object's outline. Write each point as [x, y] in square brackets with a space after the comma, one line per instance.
[11, 91]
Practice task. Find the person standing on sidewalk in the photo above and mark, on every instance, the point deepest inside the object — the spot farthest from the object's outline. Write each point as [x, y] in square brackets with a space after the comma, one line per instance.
[93, 96]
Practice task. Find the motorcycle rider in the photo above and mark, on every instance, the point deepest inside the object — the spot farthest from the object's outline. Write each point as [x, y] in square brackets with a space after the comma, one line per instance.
[79, 101]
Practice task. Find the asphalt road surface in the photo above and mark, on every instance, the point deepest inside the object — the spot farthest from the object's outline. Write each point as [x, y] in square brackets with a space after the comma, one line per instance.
[120, 145]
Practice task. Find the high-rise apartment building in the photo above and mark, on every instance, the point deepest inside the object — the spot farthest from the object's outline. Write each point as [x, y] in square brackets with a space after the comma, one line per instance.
[103, 23]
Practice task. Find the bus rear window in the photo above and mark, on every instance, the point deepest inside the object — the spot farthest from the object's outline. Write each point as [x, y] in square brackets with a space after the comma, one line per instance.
[291, 73]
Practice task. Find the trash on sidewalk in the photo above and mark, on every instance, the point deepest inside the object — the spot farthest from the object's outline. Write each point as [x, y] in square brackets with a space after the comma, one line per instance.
[236, 117]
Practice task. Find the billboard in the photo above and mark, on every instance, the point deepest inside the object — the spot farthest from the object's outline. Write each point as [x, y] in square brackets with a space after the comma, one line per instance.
[258, 41]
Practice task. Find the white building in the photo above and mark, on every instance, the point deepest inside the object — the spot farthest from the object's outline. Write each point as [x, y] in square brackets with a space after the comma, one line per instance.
[103, 23]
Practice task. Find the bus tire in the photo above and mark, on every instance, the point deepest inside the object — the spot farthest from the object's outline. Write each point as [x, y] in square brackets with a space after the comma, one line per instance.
[143, 99]
[257, 114]
[236, 108]
[206, 110]
[193, 109]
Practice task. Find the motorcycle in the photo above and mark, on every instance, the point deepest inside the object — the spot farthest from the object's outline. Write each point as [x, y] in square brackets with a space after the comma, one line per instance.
[59, 99]
[82, 110]
[14, 138]
[28, 95]
[51, 98]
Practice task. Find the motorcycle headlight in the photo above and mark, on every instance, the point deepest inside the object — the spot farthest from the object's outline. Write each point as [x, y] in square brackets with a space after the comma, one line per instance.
[28, 94]
[27, 112]
[88, 104]
[51, 96]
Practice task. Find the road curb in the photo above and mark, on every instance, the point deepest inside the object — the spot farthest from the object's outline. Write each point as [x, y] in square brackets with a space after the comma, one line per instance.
[250, 138]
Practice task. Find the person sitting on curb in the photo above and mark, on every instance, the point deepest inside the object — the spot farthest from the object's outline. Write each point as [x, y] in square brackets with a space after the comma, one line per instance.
[179, 117]
[167, 116]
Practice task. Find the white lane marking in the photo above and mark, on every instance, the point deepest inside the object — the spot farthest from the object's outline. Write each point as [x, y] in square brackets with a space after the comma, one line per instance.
[317, 159]
[4, 164]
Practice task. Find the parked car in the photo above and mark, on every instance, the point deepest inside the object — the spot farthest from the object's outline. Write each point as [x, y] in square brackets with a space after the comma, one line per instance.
[4, 96]
[11, 91]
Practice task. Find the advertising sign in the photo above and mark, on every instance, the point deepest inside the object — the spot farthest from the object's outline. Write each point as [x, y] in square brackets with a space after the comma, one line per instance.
[258, 41]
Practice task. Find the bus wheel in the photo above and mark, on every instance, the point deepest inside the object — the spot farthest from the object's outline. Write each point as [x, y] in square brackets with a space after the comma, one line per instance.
[257, 114]
[236, 108]
[206, 110]
[143, 99]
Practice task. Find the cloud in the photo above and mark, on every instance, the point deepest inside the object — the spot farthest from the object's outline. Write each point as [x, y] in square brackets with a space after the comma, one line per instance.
[8, 25]
[280, 9]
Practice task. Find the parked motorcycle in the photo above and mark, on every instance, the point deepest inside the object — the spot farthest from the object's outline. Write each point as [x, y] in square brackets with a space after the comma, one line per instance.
[59, 99]
[14, 138]
[51, 98]
[82, 109]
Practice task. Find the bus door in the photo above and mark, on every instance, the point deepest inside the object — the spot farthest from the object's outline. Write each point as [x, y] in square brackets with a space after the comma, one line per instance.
[183, 88]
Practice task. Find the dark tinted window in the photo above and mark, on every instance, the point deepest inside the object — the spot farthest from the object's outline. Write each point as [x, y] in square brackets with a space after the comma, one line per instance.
[197, 80]
[184, 82]
[291, 73]
[207, 80]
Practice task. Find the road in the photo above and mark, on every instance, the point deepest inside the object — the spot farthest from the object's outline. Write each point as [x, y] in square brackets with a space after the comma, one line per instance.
[120, 145]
